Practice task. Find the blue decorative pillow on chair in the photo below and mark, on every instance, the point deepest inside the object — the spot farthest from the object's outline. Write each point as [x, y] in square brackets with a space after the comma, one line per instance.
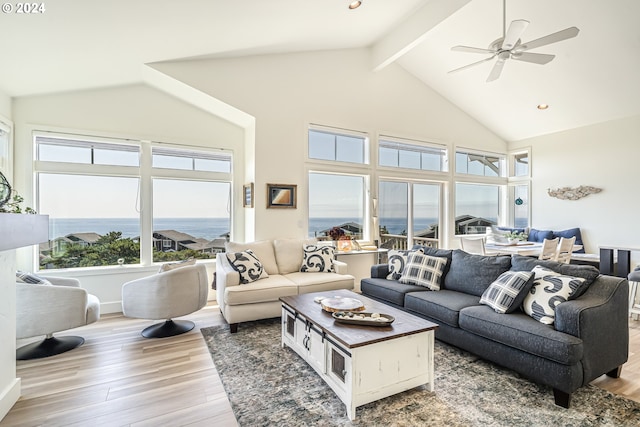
[539, 235]
[567, 234]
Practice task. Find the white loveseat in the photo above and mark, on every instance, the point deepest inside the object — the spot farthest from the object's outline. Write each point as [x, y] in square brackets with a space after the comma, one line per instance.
[282, 260]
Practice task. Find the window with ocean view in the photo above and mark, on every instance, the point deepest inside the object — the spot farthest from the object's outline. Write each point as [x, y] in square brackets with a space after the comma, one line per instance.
[477, 207]
[95, 194]
[336, 200]
[408, 214]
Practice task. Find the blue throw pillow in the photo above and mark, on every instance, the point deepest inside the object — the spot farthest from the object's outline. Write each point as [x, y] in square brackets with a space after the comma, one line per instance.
[567, 234]
[472, 274]
[539, 235]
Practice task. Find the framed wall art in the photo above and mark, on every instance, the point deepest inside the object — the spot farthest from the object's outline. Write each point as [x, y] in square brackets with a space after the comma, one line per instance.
[281, 196]
[247, 195]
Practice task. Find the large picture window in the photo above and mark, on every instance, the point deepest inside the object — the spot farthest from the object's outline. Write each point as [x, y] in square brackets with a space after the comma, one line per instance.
[477, 207]
[96, 195]
[336, 201]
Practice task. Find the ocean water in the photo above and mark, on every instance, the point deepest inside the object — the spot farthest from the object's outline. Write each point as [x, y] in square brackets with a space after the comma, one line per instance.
[206, 228]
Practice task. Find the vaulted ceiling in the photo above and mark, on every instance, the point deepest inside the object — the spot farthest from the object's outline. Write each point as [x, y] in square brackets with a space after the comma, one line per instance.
[593, 78]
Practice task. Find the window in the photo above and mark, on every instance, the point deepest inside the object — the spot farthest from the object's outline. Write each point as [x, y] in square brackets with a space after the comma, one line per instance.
[411, 155]
[477, 207]
[95, 194]
[409, 213]
[479, 164]
[190, 160]
[336, 200]
[182, 225]
[338, 145]
[520, 206]
[520, 164]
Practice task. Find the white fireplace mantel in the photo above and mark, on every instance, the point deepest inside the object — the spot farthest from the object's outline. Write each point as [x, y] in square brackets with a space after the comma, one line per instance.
[18, 230]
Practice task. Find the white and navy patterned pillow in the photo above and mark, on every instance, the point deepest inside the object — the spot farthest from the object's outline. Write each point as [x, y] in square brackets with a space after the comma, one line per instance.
[396, 260]
[318, 259]
[423, 270]
[506, 293]
[248, 266]
[549, 289]
[32, 279]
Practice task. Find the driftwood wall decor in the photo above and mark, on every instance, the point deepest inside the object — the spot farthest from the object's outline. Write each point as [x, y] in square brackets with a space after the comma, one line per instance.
[570, 193]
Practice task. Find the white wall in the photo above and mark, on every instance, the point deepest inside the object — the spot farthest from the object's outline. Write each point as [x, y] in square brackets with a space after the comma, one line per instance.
[9, 384]
[136, 111]
[336, 88]
[604, 155]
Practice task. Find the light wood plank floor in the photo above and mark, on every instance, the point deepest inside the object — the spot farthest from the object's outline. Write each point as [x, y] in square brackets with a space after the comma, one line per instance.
[118, 378]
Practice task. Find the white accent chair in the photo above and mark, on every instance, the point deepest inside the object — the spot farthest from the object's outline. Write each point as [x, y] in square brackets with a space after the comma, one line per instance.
[549, 249]
[46, 309]
[565, 249]
[167, 295]
[473, 245]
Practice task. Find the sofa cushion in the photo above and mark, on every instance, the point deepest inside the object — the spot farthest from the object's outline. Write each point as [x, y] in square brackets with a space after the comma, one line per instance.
[263, 251]
[423, 270]
[317, 259]
[265, 290]
[549, 289]
[520, 331]
[318, 282]
[587, 272]
[572, 232]
[390, 291]
[472, 274]
[536, 235]
[397, 260]
[507, 292]
[289, 253]
[247, 265]
[443, 306]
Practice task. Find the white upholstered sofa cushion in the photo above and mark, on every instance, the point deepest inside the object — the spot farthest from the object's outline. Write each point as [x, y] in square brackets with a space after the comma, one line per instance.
[263, 250]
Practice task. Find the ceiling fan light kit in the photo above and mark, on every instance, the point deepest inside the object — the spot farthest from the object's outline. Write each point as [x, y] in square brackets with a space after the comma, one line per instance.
[510, 46]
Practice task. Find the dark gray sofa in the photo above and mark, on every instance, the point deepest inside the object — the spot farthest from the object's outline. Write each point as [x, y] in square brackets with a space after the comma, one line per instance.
[589, 338]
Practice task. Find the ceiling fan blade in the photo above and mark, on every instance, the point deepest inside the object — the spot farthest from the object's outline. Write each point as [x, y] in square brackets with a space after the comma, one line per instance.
[496, 70]
[470, 49]
[536, 58]
[565, 34]
[473, 64]
[516, 28]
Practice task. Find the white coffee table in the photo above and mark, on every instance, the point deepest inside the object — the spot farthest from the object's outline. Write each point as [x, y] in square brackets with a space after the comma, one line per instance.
[360, 363]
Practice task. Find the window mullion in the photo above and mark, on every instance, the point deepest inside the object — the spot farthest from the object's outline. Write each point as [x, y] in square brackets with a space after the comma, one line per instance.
[146, 206]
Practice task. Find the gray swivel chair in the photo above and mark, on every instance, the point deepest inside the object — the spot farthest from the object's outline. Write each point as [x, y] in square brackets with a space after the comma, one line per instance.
[166, 295]
[42, 309]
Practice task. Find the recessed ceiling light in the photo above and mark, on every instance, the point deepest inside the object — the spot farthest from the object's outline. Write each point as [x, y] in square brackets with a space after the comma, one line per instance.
[542, 106]
[354, 4]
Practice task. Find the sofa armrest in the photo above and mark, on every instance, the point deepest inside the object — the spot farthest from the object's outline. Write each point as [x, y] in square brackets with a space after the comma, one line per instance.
[600, 318]
[226, 277]
[340, 267]
[379, 271]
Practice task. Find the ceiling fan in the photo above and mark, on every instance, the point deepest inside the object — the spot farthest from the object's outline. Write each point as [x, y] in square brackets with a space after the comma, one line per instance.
[509, 46]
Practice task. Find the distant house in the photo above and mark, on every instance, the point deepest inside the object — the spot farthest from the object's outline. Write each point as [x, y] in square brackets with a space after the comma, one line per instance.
[468, 224]
[83, 239]
[172, 240]
[349, 228]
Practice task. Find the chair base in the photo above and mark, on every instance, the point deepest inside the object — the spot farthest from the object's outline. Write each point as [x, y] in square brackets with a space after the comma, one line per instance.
[168, 329]
[48, 347]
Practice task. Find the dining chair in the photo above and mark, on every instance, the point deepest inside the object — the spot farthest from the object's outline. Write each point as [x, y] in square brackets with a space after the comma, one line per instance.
[549, 249]
[473, 245]
[565, 248]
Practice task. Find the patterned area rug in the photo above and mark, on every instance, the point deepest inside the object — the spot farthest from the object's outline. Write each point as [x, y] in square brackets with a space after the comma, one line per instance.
[268, 385]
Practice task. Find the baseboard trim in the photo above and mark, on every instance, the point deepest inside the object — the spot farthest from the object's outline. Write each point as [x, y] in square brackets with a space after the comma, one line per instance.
[9, 397]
